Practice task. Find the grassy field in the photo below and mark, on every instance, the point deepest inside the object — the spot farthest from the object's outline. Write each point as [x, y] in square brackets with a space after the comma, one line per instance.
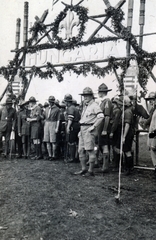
[43, 200]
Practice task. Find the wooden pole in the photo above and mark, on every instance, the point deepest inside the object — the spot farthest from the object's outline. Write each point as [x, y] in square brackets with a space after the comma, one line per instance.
[25, 29]
[142, 21]
[129, 24]
[25, 24]
[17, 40]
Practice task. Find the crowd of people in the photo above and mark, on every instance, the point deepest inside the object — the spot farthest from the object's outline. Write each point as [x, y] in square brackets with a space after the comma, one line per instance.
[94, 133]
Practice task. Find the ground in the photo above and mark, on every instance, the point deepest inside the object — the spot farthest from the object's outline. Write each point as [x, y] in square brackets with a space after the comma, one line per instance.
[43, 200]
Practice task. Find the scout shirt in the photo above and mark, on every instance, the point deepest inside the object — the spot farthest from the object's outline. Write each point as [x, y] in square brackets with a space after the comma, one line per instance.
[52, 114]
[107, 109]
[90, 113]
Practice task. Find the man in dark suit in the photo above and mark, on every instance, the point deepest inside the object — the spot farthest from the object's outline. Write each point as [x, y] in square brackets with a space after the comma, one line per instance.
[7, 123]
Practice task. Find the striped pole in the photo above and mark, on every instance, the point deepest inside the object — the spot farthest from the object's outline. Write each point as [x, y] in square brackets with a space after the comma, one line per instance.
[25, 24]
[142, 21]
[17, 40]
[129, 23]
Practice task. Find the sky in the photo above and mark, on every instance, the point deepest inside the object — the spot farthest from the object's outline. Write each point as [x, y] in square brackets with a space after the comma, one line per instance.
[12, 9]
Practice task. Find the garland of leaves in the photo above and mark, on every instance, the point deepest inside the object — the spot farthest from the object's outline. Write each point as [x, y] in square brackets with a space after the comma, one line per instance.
[146, 60]
[83, 18]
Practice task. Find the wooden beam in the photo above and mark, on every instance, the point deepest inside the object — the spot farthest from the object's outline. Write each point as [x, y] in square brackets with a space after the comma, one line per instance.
[119, 5]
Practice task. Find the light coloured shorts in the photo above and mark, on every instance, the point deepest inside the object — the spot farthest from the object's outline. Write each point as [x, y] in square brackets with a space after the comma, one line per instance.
[86, 139]
[49, 132]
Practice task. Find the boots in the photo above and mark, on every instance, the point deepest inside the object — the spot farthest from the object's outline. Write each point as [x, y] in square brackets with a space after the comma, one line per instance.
[128, 165]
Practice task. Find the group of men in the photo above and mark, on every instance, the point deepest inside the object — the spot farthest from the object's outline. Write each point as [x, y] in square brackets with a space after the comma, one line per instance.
[71, 131]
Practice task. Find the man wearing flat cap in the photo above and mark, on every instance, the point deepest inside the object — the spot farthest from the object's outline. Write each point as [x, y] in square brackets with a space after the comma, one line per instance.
[7, 123]
[51, 127]
[105, 126]
[91, 117]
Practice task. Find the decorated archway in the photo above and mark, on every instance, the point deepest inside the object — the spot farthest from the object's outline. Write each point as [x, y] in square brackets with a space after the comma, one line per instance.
[67, 32]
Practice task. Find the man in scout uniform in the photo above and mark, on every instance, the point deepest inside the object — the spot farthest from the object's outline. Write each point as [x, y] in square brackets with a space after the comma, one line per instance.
[51, 127]
[104, 128]
[24, 128]
[91, 117]
[35, 120]
[72, 128]
[7, 123]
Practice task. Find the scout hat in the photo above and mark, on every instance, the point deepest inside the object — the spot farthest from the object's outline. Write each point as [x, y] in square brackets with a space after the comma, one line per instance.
[119, 101]
[51, 99]
[75, 102]
[46, 105]
[68, 98]
[87, 91]
[22, 104]
[32, 99]
[62, 104]
[151, 96]
[103, 88]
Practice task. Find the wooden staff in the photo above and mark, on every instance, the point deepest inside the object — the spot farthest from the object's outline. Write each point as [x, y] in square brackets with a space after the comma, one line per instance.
[17, 40]
[129, 23]
[142, 21]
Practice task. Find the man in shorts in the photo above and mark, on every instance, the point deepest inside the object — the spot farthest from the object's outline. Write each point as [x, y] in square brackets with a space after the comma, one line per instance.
[105, 126]
[91, 117]
[72, 127]
[51, 127]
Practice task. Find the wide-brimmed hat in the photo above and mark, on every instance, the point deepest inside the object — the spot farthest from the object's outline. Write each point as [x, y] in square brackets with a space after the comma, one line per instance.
[22, 104]
[9, 101]
[103, 88]
[119, 101]
[62, 104]
[68, 98]
[151, 96]
[123, 100]
[75, 102]
[87, 91]
[32, 99]
[46, 104]
[51, 99]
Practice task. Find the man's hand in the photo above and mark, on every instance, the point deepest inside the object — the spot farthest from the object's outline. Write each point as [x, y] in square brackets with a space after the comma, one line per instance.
[56, 130]
[111, 135]
[104, 133]
[90, 129]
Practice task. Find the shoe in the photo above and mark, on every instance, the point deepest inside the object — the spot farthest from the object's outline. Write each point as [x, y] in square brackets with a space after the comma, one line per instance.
[70, 161]
[89, 174]
[105, 171]
[128, 172]
[82, 172]
[34, 158]
[39, 157]
[19, 156]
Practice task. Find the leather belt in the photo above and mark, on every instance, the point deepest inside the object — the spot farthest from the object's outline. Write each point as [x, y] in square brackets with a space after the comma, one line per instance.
[86, 124]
